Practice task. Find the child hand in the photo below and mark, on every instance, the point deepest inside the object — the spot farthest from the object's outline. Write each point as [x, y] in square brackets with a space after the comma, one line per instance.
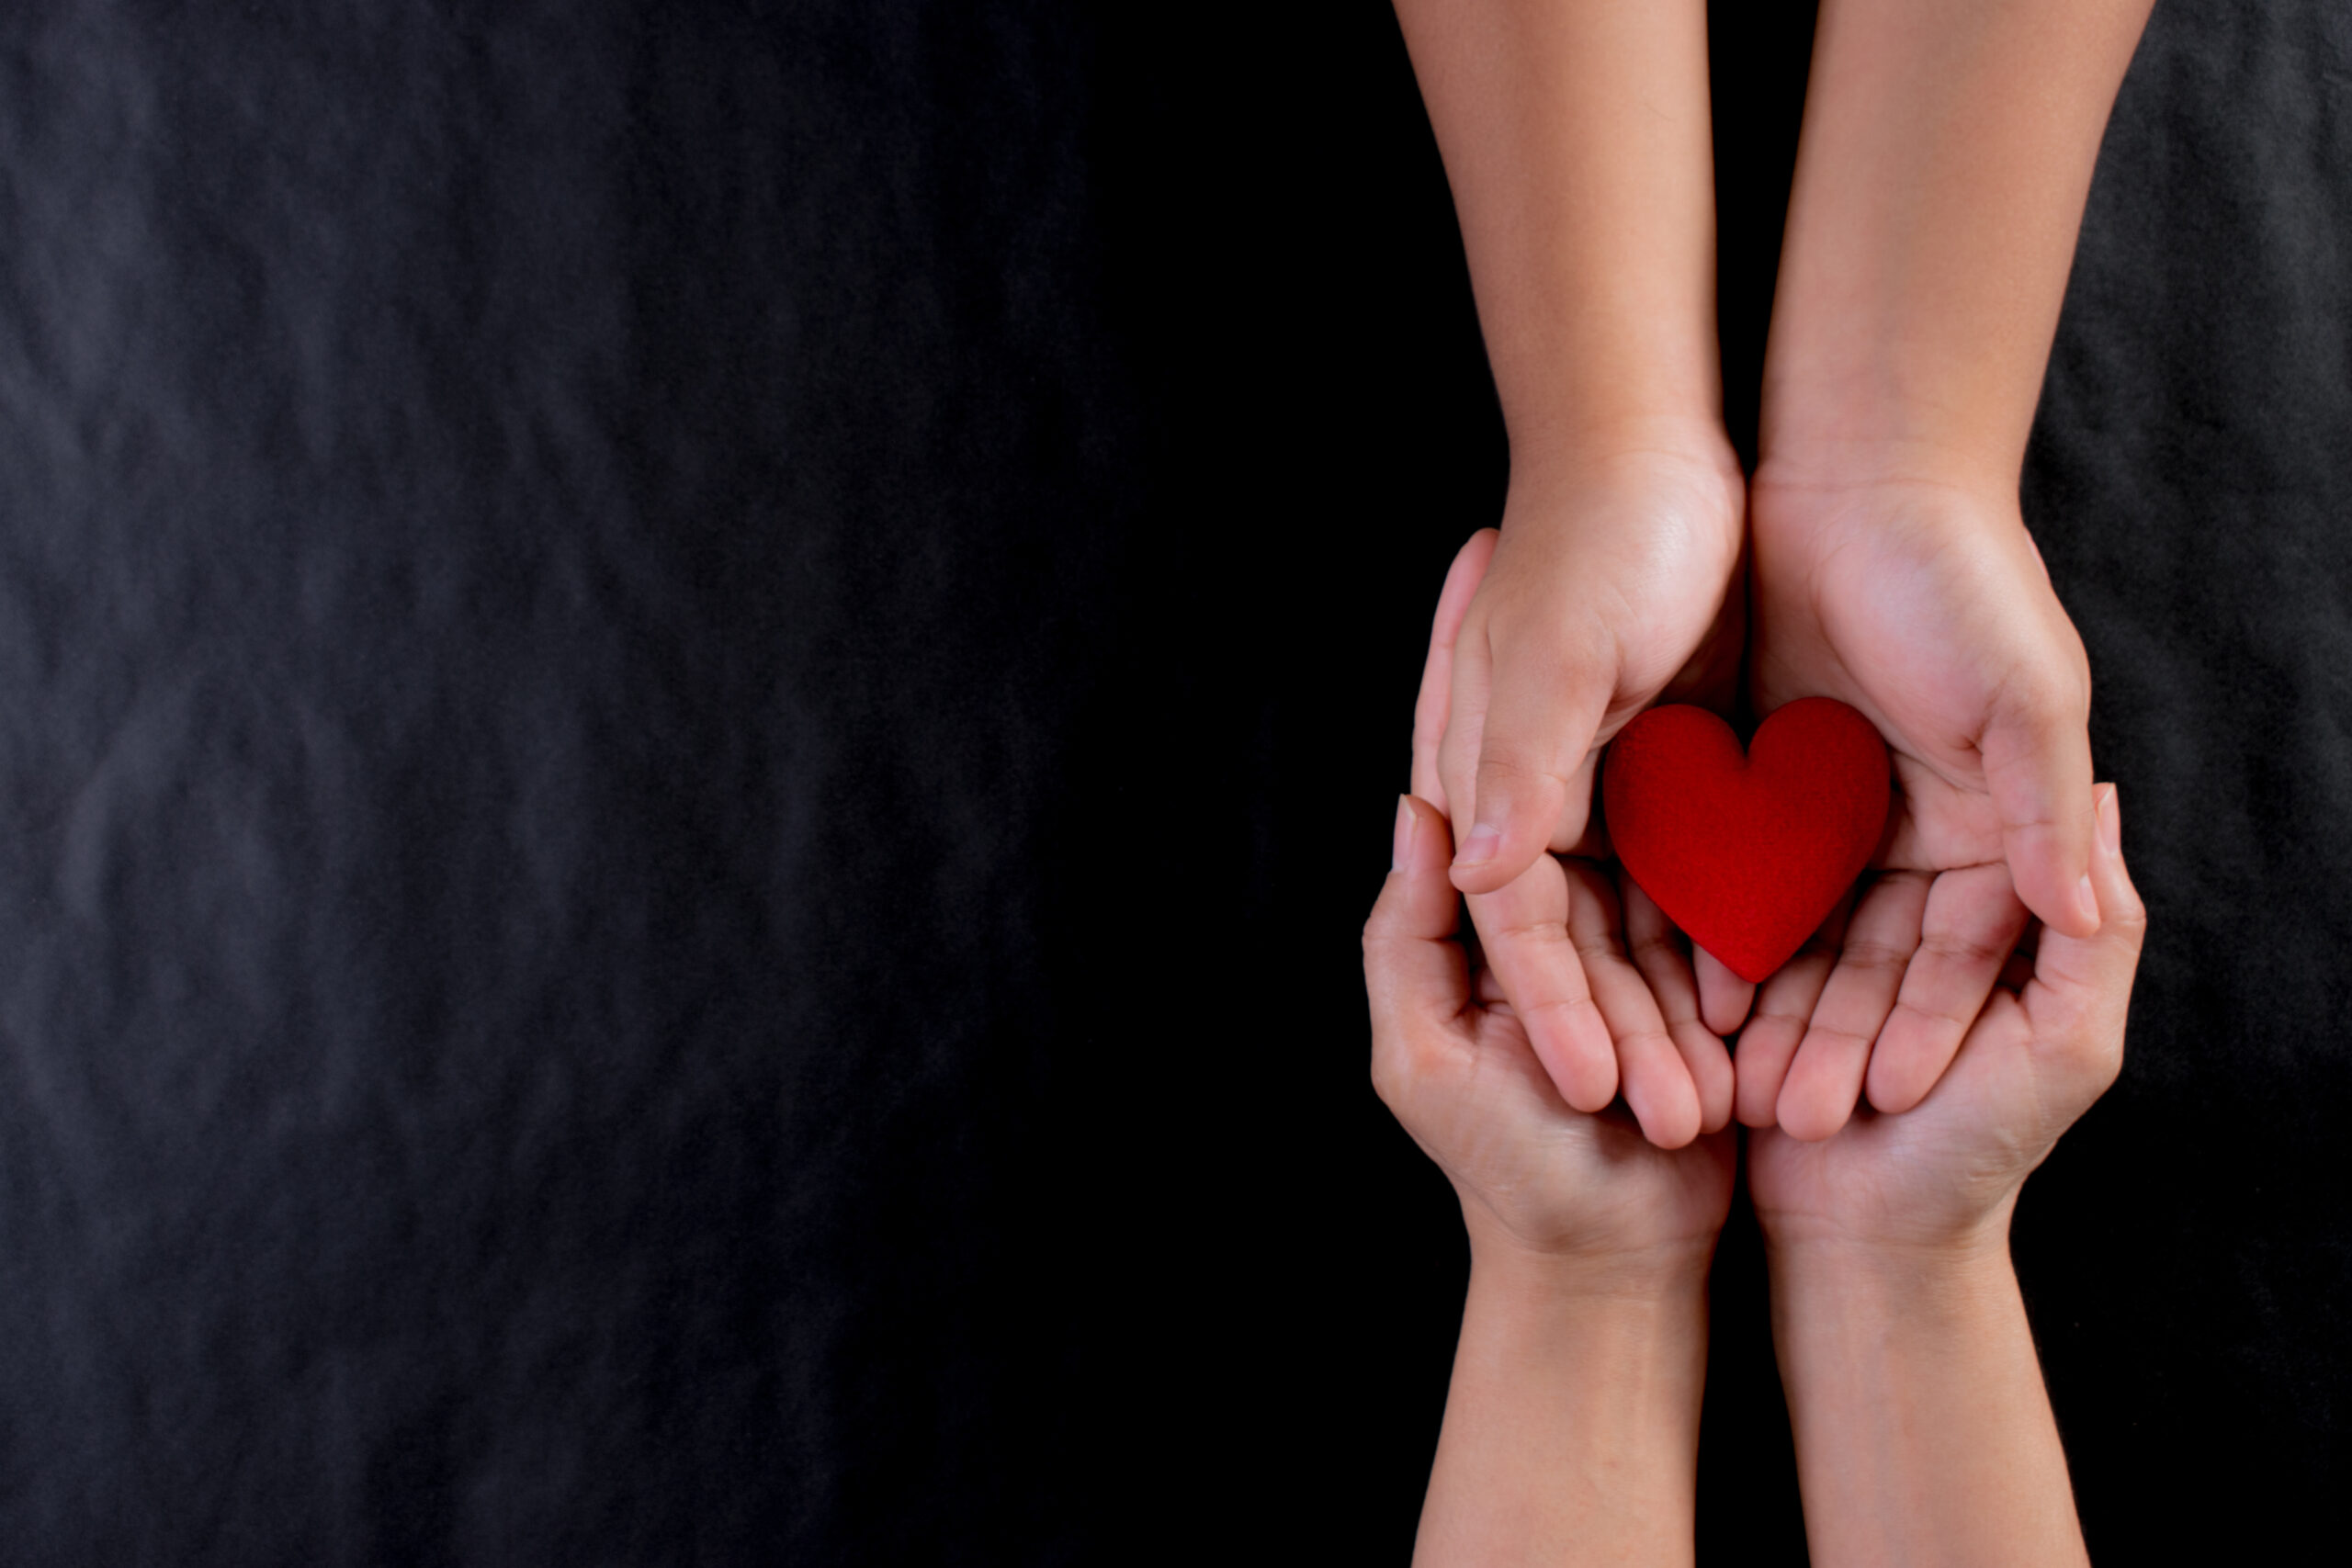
[1927, 609]
[1598, 593]
[1453, 1060]
[1944, 1175]
[1693, 649]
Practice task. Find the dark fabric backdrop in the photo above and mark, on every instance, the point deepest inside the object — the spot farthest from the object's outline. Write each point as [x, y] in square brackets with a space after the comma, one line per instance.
[697, 704]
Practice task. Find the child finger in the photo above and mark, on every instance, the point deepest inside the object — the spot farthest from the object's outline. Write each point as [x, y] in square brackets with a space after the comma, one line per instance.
[1431, 709]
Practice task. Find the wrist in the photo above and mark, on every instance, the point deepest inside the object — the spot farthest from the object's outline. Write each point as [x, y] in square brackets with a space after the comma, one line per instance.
[1624, 453]
[1540, 1283]
[1923, 1431]
[1870, 425]
[1805, 500]
[1930, 1275]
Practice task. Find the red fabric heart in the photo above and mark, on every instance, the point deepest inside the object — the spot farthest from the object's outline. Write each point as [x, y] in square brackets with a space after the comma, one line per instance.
[1748, 854]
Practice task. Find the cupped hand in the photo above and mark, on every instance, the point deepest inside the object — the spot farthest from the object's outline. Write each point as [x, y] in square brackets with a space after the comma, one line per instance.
[1452, 1059]
[1946, 1172]
[1927, 607]
[1604, 585]
[1593, 603]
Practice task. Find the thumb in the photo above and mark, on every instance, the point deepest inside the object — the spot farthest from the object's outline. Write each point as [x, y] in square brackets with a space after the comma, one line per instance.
[1413, 968]
[2081, 989]
[1434, 706]
[1532, 787]
[2037, 766]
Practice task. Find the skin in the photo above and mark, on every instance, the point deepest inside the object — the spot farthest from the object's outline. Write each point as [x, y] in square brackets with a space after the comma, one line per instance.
[1943, 168]
[1923, 1431]
[1647, 1039]
[1576, 141]
[1571, 1428]
[1924, 1434]
[1941, 172]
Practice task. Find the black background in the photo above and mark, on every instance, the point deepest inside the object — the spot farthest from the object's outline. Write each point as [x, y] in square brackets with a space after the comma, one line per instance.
[697, 705]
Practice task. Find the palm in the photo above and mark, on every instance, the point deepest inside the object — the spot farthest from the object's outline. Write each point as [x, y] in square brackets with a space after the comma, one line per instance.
[1874, 615]
[1556, 1179]
[1942, 1170]
[1600, 597]
[1929, 612]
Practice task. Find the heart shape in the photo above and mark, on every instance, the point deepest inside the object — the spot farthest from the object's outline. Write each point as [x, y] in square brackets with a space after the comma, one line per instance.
[1747, 853]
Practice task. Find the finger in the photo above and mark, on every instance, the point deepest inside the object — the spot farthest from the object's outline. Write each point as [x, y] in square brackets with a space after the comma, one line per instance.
[1462, 580]
[1545, 703]
[1524, 933]
[2037, 768]
[2081, 989]
[1666, 967]
[1657, 1084]
[1784, 1005]
[1972, 925]
[1724, 997]
[1466, 726]
[1825, 1080]
[1591, 835]
[1414, 970]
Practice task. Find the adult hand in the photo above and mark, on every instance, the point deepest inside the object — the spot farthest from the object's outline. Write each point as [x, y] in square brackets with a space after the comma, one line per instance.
[1588, 605]
[1943, 1176]
[1924, 1432]
[1452, 1059]
[1927, 607]
[1572, 1418]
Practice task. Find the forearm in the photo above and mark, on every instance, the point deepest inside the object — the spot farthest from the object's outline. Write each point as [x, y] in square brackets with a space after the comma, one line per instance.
[1571, 1428]
[1946, 155]
[1924, 1434]
[1575, 136]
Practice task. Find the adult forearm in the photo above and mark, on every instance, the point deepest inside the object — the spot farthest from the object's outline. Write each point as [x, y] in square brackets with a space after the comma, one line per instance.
[1571, 1428]
[1575, 136]
[1941, 172]
[1924, 1434]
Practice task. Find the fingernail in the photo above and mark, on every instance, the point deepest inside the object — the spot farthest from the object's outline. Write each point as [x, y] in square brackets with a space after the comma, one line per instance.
[1402, 848]
[2085, 901]
[1479, 847]
[2110, 823]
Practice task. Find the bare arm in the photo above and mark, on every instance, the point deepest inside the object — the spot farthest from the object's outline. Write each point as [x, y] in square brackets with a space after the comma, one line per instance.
[1572, 1425]
[1946, 156]
[1923, 1432]
[1575, 137]
[1946, 151]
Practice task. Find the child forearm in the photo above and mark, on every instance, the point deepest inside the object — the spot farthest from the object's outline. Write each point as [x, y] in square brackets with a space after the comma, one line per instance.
[1946, 155]
[1571, 1428]
[1923, 1435]
[1575, 136]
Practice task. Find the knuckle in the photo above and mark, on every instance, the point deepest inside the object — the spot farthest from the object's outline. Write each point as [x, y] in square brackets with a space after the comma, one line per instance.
[1398, 1061]
[1873, 955]
[1538, 931]
[1838, 1037]
[1939, 1021]
[1965, 949]
[1570, 1010]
